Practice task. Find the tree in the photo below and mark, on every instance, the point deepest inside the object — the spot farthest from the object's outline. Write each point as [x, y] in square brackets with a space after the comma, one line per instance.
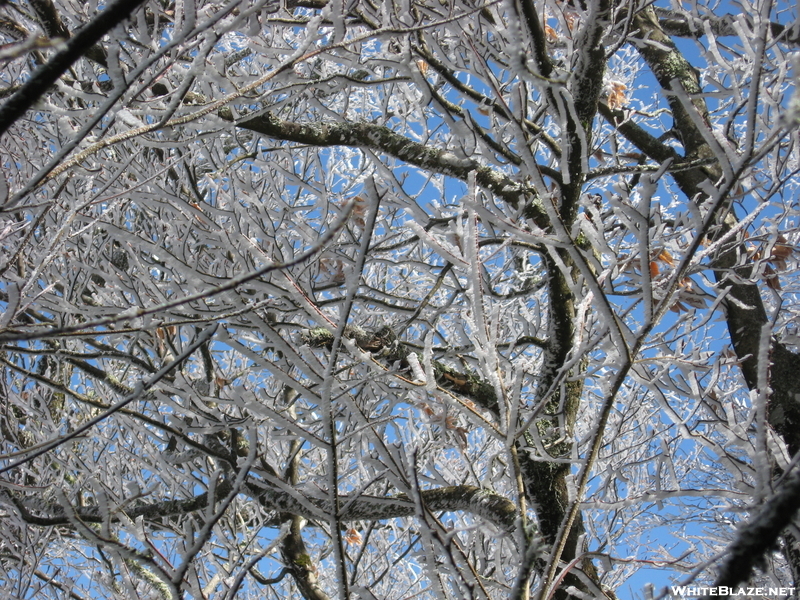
[383, 300]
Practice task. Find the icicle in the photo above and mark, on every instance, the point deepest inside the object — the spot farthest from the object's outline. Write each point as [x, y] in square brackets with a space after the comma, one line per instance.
[416, 368]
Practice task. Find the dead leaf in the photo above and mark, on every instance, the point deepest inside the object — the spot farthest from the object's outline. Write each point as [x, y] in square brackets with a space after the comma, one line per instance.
[352, 536]
[666, 257]
[616, 95]
[771, 278]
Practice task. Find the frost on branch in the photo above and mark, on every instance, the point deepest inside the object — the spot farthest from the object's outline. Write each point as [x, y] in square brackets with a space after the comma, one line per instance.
[566, 284]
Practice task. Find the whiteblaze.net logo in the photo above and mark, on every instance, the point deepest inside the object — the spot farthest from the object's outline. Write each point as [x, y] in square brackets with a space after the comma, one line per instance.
[685, 591]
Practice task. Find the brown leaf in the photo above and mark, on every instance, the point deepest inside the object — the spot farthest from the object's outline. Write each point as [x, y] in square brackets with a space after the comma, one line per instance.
[616, 97]
[771, 278]
[780, 253]
[678, 307]
[666, 257]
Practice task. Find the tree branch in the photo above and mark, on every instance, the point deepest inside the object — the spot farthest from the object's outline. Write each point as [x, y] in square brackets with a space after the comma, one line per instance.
[487, 505]
[22, 100]
[534, 26]
[746, 314]
[385, 345]
[684, 24]
[757, 538]
[637, 135]
[141, 389]
[298, 561]
[383, 140]
[669, 66]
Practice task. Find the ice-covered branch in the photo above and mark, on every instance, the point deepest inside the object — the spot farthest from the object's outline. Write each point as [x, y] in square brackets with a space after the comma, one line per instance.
[485, 504]
[760, 535]
[204, 336]
[75, 47]
[384, 140]
[688, 25]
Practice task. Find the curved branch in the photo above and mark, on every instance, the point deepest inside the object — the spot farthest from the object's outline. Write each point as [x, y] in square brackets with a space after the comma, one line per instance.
[671, 68]
[384, 140]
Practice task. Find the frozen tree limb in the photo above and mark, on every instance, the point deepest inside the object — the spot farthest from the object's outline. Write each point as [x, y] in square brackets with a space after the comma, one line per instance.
[33, 453]
[487, 505]
[540, 269]
[384, 140]
[759, 536]
[686, 24]
[25, 98]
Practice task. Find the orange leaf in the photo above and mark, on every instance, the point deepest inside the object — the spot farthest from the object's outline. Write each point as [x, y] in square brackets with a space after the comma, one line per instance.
[653, 268]
[678, 307]
[352, 536]
[616, 97]
[600, 156]
[360, 210]
[571, 18]
[665, 256]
